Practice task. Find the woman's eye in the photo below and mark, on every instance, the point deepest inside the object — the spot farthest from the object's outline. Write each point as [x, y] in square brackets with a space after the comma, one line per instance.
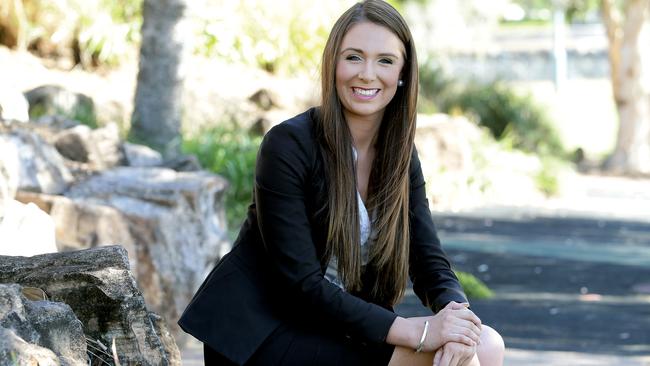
[386, 61]
[353, 58]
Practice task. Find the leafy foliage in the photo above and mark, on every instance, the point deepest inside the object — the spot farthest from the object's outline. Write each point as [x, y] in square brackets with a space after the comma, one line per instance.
[508, 115]
[474, 288]
[283, 36]
[513, 119]
[232, 153]
[93, 32]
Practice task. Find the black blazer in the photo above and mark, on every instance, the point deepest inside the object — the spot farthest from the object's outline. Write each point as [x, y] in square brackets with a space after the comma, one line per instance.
[274, 272]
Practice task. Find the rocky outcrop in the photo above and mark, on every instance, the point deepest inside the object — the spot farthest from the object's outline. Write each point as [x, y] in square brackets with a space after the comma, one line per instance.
[170, 223]
[78, 188]
[41, 332]
[173, 223]
[101, 291]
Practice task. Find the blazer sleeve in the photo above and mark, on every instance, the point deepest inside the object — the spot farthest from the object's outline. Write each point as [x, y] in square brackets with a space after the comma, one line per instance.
[434, 282]
[282, 171]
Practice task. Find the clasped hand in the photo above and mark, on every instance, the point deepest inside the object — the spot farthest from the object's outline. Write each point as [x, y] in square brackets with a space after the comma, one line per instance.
[454, 332]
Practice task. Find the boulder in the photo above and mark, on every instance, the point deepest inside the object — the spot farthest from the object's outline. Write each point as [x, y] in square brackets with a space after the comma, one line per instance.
[141, 155]
[56, 100]
[175, 220]
[43, 330]
[100, 148]
[37, 165]
[98, 286]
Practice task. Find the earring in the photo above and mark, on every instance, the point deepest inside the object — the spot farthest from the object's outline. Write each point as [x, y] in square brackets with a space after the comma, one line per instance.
[400, 83]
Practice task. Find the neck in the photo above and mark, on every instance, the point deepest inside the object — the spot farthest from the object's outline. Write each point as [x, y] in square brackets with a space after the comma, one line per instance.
[363, 130]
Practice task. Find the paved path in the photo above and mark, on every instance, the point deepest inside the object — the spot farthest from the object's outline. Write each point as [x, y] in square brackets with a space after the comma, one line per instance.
[569, 291]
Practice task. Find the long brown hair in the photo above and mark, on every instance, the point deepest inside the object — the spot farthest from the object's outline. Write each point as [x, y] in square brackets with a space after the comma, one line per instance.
[388, 188]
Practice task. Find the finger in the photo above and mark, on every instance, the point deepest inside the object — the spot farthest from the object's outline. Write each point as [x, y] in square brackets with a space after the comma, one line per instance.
[464, 327]
[445, 360]
[470, 330]
[453, 361]
[437, 357]
[453, 305]
[468, 315]
[460, 338]
[469, 334]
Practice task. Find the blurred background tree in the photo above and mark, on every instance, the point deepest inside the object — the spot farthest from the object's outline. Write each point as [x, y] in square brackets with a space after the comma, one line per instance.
[628, 29]
[156, 117]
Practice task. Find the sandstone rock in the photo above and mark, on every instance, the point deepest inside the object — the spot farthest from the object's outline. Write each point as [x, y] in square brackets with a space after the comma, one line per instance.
[45, 330]
[176, 221]
[100, 148]
[39, 167]
[13, 105]
[141, 156]
[102, 292]
[56, 100]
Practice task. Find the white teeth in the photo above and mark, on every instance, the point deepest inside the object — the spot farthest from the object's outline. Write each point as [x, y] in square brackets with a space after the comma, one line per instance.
[365, 92]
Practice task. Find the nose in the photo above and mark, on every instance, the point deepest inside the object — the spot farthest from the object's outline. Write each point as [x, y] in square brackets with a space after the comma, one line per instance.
[367, 73]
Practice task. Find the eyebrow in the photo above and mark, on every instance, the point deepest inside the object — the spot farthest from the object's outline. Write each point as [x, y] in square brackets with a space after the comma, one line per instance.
[357, 50]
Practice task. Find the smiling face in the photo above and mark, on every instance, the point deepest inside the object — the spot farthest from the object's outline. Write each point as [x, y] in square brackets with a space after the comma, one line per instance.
[368, 69]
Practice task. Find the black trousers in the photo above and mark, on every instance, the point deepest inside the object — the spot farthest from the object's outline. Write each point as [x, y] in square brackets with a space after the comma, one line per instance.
[293, 345]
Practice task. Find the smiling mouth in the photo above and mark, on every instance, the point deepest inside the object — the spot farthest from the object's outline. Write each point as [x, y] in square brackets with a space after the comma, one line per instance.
[365, 92]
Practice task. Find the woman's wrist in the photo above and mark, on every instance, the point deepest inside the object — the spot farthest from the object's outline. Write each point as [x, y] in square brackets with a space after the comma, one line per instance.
[405, 332]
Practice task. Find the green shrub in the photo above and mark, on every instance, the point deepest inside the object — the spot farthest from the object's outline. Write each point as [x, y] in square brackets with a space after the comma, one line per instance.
[231, 153]
[515, 120]
[474, 288]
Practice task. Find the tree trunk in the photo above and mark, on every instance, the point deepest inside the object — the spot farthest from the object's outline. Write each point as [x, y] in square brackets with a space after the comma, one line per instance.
[630, 85]
[156, 119]
[13, 24]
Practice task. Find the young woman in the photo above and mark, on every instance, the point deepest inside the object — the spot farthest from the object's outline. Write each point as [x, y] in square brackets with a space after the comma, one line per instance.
[339, 220]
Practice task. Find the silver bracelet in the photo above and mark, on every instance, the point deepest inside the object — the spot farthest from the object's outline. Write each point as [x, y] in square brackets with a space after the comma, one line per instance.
[418, 349]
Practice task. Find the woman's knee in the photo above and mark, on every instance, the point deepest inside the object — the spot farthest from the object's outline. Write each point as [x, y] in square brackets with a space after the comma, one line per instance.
[492, 348]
